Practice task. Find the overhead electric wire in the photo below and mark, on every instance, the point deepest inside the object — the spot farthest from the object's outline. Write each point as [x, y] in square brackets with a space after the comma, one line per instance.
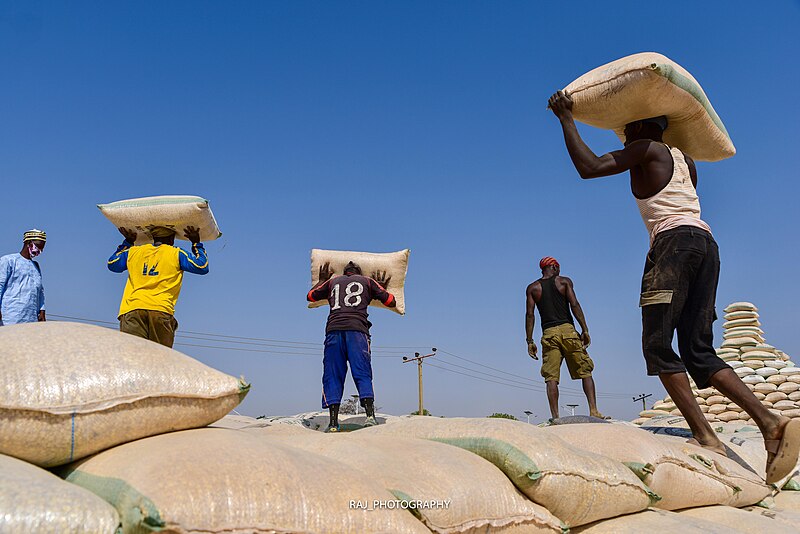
[561, 388]
[223, 342]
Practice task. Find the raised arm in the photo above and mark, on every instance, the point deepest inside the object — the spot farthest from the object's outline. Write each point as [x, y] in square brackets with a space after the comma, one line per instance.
[530, 320]
[195, 262]
[118, 262]
[577, 311]
[321, 289]
[586, 162]
[378, 283]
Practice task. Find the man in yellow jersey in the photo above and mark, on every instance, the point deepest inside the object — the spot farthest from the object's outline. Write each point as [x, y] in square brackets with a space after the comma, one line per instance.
[155, 274]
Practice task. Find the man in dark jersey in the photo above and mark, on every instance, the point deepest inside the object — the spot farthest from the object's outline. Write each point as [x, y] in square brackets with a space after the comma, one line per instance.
[679, 284]
[554, 295]
[347, 335]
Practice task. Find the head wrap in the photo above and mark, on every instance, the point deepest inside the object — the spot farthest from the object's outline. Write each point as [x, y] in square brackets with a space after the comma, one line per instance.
[548, 260]
[161, 232]
[34, 235]
[352, 267]
[660, 121]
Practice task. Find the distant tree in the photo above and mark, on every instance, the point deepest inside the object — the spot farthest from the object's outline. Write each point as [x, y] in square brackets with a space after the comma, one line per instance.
[499, 415]
[424, 412]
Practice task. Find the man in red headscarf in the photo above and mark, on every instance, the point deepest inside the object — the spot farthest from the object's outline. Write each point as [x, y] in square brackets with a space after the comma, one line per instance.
[555, 297]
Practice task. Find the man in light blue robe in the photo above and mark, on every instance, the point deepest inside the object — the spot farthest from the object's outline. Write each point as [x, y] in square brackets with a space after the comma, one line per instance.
[21, 289]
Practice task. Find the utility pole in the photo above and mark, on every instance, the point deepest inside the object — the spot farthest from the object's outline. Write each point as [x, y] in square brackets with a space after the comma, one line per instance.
[417, 358]
[572, 407]
[642, 397]
[529, 414]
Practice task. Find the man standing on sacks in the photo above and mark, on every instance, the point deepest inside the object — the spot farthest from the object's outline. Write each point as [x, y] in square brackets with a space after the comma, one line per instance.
[680, 279]
[155, 277]
[347, 336]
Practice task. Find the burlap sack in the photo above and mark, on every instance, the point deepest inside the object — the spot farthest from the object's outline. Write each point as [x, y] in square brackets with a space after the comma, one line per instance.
[740, 306]
[172, 211]
[394, 263]
[68, 390]
[649, 85]
[739, 520]
[653, 521]
[577, 486]
[216, 480]
[35, 500]
[424, 470]
[788, 500]
[683, 475]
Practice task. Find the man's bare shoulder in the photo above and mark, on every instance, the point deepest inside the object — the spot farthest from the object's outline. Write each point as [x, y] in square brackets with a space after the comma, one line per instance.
[534, 287]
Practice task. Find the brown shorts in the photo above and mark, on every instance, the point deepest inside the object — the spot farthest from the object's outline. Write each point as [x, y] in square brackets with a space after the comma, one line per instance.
[153, 325]
[563, 343]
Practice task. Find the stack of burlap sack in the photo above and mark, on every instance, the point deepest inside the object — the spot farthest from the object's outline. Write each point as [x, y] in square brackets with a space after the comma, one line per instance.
[107, 432]
[768, 372]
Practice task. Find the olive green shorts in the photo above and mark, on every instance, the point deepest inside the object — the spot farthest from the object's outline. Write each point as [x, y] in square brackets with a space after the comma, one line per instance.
[559, 343]
[150, 324]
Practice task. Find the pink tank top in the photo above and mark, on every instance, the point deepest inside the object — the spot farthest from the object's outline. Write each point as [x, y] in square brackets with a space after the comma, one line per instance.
[675, 205]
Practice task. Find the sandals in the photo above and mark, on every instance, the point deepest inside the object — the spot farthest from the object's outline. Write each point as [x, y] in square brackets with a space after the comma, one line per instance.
[783, 453]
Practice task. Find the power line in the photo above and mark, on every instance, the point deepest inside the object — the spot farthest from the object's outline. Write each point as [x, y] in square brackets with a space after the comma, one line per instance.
[223, 342]
[533, 383]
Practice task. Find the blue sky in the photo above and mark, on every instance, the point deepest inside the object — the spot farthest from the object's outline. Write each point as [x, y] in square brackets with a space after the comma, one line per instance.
[380, 126]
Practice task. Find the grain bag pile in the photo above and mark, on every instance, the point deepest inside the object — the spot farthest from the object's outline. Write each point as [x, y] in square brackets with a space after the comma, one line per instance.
[768, 372]
[69, 390]
[217, 480]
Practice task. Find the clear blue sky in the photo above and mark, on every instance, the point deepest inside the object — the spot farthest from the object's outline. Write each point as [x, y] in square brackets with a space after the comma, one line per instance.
[379, 126]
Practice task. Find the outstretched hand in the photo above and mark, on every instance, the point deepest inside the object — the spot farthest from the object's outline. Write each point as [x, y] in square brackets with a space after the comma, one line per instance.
[532, 350]
[382, 279]
[129, 235]
[325, 272]
[192, 234]
[560, 104]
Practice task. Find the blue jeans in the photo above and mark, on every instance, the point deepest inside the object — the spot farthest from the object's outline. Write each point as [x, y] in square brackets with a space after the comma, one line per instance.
[344, 346]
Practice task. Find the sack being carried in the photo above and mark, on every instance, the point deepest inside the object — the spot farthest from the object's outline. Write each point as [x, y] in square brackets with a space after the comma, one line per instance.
[649, 85]
[176, 212]
[394, 263]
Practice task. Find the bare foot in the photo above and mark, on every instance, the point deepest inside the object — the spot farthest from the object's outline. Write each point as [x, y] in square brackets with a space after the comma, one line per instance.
[598, 415]
[717, 447]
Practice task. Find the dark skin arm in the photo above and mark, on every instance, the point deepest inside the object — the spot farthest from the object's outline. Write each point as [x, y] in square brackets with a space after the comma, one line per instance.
[648, 161]
[325, 274]
[577, 311]
[129, 235]
[383, 281]
[532, 295]
[192, 234]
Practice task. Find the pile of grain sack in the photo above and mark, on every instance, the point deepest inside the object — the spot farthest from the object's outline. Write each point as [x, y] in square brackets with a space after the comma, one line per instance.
[105, 432]
[768, 372]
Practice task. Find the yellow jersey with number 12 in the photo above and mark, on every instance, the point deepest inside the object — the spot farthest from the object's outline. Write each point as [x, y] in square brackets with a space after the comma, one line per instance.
[154, 279]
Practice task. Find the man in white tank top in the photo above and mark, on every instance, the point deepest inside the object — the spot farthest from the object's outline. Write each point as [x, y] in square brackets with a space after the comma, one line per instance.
[679, 284]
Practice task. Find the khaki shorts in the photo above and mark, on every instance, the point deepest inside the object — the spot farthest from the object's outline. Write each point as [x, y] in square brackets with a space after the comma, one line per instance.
[563, 343]
[153, 325]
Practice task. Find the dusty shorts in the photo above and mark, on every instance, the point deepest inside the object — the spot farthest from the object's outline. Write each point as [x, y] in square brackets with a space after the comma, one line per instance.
[153, 325]
[563, 343]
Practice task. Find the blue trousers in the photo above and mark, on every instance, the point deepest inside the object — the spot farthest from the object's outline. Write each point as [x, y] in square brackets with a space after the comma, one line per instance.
[341, 347]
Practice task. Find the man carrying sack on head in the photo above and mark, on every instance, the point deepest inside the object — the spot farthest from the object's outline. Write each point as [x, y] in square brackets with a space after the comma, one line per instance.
[155, 275]
[347, 335]
[21, 289]
[555, 297]
[679, 284]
